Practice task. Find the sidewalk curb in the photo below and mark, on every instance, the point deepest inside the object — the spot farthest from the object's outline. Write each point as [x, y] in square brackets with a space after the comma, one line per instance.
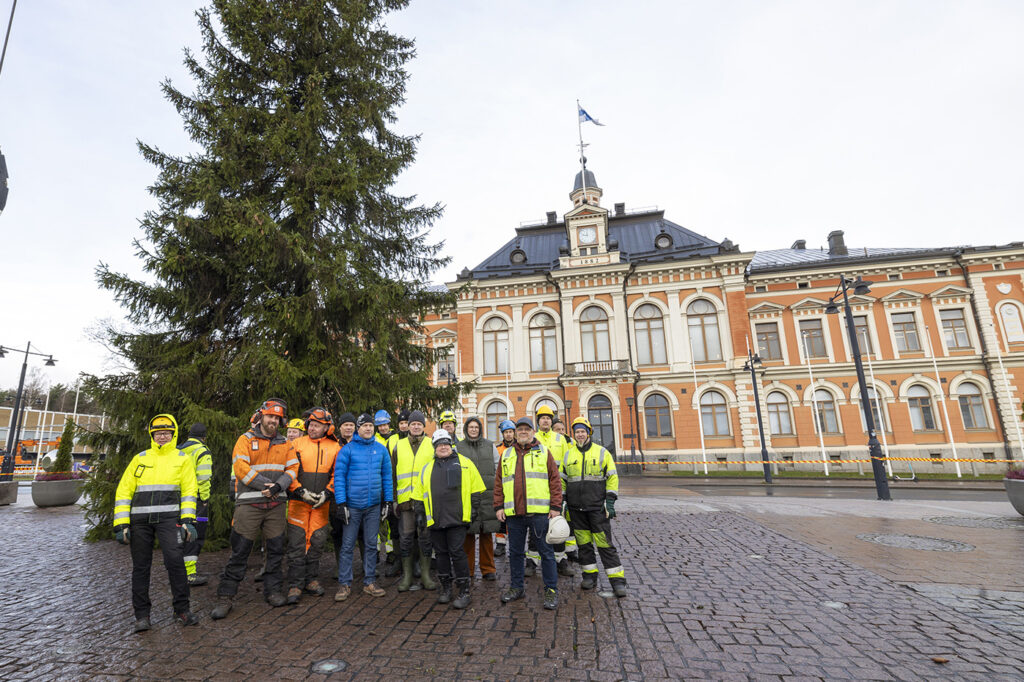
[826, 483]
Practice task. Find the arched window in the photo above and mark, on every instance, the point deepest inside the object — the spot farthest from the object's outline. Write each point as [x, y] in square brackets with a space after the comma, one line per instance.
[657, 416]
[650, 335]
[594, 334]
[922, 418]
[495, 346]
[780, 421]
[826, 404]
[496, 413]
[877, 413]
[702, 321]
[714, 413]
[545, 402]
[1013, 326]
[542, 343]
[599, 414]
[971, 406]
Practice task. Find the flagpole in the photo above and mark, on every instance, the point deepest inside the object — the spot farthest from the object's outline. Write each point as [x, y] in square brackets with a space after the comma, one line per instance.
[583, 159]
[942, 398]
[814, 407]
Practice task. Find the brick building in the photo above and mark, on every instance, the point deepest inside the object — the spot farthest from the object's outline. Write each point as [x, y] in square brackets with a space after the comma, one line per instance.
[644, 325]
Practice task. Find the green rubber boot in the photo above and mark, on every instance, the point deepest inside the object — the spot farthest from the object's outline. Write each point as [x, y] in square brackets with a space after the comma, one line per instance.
[428, 582]
[406, 582]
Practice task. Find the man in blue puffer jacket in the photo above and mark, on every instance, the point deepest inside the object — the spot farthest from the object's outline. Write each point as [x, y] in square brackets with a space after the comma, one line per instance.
[363, 493]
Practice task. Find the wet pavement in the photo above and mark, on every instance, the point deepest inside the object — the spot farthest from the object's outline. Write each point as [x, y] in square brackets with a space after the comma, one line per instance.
[721, 588]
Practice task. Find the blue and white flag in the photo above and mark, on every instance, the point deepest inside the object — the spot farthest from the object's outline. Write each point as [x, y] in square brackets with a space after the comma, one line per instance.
[584, 117]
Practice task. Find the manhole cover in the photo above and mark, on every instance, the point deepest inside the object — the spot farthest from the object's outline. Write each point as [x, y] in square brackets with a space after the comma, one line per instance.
[915, 542]
[996, 522]
[328, 666]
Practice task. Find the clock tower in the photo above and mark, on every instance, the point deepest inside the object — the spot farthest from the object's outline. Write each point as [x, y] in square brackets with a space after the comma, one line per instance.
[586, 226]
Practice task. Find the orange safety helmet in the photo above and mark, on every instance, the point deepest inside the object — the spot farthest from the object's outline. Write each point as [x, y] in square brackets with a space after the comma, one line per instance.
[276, 407]
[320, 414]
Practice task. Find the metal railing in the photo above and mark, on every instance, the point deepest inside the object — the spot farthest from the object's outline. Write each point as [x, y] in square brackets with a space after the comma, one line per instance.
[596, 368]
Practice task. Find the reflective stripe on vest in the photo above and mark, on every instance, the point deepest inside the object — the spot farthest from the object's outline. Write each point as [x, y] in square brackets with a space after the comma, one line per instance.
[535, 468]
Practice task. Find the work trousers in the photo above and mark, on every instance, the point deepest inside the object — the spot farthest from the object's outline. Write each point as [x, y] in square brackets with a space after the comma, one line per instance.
[486, 552]
[247, 524]
[412, 527]
[518, 527]
[368, 521]
[142, 537]
[451, 555]
[193, 547]
[308, 529]
[595, 528]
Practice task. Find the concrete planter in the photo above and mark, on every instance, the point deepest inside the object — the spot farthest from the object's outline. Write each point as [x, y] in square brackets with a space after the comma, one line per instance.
[56, 493]
[1015, 491]
[8, 492]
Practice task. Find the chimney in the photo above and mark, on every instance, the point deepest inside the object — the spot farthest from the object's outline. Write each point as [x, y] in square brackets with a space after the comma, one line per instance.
[552, 217]
[620, 208]
[799, 244]
[836, 245]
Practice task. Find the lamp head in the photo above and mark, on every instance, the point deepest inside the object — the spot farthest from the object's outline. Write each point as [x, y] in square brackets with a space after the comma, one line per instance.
[831, 308]
[861, 286]
[50, 362]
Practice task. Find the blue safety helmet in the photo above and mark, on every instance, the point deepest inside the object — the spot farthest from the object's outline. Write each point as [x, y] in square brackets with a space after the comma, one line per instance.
[382, 417]
[506, 424]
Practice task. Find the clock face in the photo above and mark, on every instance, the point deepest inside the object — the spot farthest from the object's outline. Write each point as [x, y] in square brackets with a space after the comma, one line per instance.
[588, 235]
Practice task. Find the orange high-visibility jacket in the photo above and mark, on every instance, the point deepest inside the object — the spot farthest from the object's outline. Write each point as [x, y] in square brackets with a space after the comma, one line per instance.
[258, 460]
[316, 463]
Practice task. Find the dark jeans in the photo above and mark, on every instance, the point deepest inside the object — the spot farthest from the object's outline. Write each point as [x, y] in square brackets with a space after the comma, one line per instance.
[142, 536]
[448, 544]
[518, 526]
[367, 520]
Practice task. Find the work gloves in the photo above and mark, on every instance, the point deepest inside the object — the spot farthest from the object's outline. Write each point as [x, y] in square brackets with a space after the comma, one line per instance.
[321, 499]
[385, 510]
[275, 490]
[306, 496]
[123, 534]
[609, 508]
[188, 532]
[342, 513]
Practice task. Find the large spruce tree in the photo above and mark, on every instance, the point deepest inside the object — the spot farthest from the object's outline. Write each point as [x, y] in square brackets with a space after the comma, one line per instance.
[279, 261]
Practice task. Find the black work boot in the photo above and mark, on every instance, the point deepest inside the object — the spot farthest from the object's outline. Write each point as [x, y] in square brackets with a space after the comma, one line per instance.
[196, 580]
[619, 587]
[444, 595]
[393, 566]
[530, 569]
[186, 618]
[499, 549]
[276, 599]
[565, 569]
[589, 581]
[222, 609]
[462, 601]
[142, 624]
[511, 594]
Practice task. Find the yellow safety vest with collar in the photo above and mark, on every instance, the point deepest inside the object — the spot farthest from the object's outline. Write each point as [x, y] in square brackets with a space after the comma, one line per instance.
[158, 485]
[535, 470]
[471, 483]
[556, 443]
[202, 460]
[588, 477]
[408, 464]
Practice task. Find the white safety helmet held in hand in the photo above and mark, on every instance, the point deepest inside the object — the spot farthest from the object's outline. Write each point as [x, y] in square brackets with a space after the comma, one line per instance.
[558, 531]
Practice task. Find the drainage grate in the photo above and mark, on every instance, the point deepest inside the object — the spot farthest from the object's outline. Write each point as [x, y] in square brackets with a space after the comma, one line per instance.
[996, 522]
[328, 666]
[915, 542]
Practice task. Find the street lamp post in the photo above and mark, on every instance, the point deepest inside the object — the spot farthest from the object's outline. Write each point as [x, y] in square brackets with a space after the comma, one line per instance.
[13, 426]
[861, 286]
[754, 359]
[632, 444]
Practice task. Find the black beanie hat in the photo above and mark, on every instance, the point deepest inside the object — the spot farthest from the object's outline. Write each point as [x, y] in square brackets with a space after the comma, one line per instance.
[347, 417]
[197, 430]
[364, 418]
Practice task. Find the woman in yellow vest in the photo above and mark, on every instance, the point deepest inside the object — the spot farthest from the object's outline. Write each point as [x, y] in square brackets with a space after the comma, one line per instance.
[450, 487]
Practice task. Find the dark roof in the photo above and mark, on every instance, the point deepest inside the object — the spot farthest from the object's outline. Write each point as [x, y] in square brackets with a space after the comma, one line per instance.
[635, 234]
[782, 259]
[591, 181]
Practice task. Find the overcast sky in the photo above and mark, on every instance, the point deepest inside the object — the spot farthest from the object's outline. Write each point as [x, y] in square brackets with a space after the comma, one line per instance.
[764, 122]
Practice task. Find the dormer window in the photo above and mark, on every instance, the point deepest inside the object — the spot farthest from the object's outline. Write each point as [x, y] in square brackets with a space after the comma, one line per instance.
[517, 257]
[663, 241]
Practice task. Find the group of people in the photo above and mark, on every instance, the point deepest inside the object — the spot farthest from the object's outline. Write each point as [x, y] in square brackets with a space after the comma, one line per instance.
[296, 483]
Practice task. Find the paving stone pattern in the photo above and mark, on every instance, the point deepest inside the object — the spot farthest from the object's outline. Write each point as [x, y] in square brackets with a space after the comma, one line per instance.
[700, 608]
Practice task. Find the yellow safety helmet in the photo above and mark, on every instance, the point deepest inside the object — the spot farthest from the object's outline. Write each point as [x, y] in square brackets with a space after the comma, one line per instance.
[582, 421]
[545, 410]
[162, 422]
[297, 424]
[447, 416]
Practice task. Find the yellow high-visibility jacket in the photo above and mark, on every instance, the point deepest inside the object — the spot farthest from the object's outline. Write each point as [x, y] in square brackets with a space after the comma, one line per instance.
[158, 485]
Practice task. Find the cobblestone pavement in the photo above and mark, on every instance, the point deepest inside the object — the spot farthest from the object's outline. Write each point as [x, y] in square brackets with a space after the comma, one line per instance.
[714, 595]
